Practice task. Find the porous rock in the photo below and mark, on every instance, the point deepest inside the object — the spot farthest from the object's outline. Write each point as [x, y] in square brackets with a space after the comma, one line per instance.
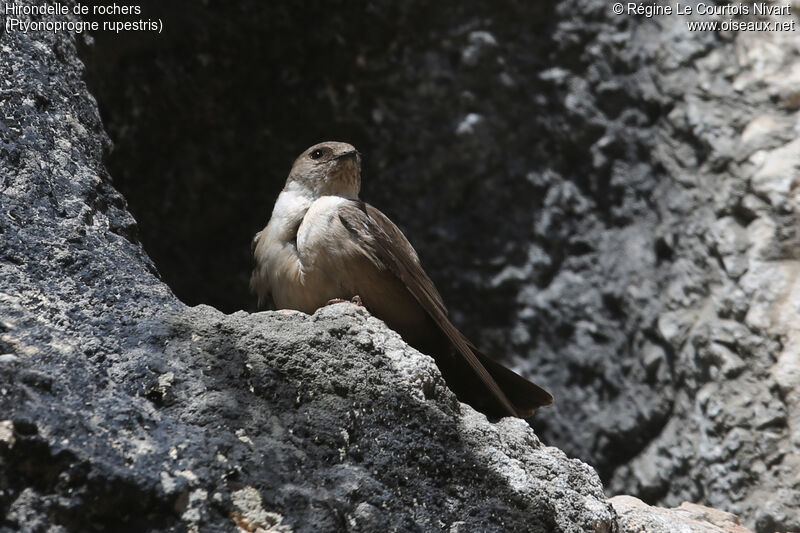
[637, 517]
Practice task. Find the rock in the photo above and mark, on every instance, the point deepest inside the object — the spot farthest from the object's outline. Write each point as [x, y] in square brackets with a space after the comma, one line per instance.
[636, 517]
[777, 172]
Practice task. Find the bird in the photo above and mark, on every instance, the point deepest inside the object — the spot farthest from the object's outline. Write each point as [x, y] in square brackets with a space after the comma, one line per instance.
[323, 245]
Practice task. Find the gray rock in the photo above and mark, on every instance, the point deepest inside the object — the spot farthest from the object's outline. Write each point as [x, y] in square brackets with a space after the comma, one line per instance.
[637, 517]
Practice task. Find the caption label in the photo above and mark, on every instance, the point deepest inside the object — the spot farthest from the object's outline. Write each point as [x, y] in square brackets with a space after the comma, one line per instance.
[762, 11]
[114, 17]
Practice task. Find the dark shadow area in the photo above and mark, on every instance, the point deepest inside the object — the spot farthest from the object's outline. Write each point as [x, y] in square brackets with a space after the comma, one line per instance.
[207, 117]
[96, 502]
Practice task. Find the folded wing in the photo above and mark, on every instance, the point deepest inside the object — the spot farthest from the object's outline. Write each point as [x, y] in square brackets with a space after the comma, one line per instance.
[386, 246]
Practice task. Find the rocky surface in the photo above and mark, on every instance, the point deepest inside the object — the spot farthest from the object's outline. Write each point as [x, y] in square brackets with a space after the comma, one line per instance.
[607, 202]
[635, 516]
[727, 236]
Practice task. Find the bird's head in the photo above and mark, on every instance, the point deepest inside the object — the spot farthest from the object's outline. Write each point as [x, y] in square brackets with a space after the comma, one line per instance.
[328, 168]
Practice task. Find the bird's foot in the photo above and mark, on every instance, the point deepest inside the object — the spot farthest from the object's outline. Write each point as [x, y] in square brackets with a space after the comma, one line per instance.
[355, 300]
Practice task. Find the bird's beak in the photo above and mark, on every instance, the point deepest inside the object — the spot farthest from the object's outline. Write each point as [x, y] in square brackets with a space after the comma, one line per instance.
[351, 153]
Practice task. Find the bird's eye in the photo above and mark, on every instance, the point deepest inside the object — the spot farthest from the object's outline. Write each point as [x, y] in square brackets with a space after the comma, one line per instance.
[316, 154]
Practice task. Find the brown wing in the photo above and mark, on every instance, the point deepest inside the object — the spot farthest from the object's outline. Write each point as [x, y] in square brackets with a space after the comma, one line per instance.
[385, 245]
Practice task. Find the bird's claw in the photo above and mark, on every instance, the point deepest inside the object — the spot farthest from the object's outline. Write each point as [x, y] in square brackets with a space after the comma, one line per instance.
[355, 300]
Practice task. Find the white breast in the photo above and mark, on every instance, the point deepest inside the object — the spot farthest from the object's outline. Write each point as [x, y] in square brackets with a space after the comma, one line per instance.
[307, 252]
[321, 234]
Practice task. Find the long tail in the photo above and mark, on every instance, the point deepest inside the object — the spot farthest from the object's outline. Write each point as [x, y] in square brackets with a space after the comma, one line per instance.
[495, 390]
[525, 396]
